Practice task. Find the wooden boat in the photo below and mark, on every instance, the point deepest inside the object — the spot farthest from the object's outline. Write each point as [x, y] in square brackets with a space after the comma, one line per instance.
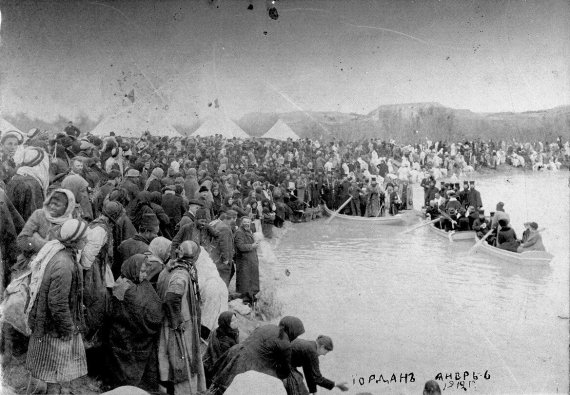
[466, 235]
[523, 258]
[398, 219]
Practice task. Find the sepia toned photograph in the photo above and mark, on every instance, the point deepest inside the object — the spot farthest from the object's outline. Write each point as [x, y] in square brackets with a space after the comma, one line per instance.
[284, 197]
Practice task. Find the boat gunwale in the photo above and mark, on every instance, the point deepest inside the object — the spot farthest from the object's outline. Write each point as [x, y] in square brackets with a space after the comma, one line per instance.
[520, 257]
[445, 234]
[393, 220]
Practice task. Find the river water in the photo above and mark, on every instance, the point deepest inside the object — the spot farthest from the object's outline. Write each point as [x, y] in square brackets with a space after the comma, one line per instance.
[419, 304]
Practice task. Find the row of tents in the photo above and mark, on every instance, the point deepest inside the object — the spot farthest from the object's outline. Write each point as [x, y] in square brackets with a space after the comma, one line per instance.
[127, 124]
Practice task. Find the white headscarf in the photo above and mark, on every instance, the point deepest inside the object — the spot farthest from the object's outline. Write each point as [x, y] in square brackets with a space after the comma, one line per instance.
[68, 214]
[34, 162]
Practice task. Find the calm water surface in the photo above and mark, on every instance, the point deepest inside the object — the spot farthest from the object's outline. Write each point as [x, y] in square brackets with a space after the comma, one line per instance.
[418, 303]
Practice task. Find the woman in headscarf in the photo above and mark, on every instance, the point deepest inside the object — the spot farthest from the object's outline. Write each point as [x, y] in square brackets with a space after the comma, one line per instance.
[159, 248]
[267, 350]
[28, 188]
[123, 228]
[153, 184]
[218, 200]
[134, 320]
[141, 207]
[224, 337]
[40, 227]
[56, 354]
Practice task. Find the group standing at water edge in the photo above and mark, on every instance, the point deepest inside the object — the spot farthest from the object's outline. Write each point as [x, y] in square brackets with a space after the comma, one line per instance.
[126, 250]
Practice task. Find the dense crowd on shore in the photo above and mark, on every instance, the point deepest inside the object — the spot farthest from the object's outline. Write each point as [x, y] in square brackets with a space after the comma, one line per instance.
[128, 246]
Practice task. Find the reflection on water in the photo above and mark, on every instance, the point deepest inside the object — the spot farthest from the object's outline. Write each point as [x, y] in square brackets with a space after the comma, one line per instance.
[418, 303]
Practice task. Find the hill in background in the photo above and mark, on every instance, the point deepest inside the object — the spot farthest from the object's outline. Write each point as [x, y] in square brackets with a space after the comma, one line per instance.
[409, 123]
[416, 121]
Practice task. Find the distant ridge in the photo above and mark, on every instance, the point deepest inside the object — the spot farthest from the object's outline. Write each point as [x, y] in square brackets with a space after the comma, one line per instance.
[430, 119]
[399, 121]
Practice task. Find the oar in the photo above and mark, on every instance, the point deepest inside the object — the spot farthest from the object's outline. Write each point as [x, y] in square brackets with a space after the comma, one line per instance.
[479, 242]
[338, 211]
[380, 211]
[419, 226]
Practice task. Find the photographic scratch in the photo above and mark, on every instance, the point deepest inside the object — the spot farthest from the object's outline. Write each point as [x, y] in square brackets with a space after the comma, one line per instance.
[348, 22]
[290, 101]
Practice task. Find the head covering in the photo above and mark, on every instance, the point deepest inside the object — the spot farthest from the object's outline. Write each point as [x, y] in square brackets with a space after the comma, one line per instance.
[533, 225]
[133, 173]
[12, 133]
[156, 197]
[68, 214]
[34, 162]
[134, 271]
[225, 319]
[149, 221]
[503, 222]
[500, 206]
[292, 327]
[113, 210]
[156, 174]
[71, 230]
[160, 248]
[431, 387]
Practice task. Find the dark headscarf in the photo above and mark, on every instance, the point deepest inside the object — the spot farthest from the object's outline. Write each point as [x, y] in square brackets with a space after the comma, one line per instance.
[142, 206]
[220, 341]
[224, 325]
[113, 210]
[292, 326]
[156, 197]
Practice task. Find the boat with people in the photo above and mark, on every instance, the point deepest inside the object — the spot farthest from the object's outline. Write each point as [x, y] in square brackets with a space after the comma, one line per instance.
[398, 219]
[452, 235]
[527, 258]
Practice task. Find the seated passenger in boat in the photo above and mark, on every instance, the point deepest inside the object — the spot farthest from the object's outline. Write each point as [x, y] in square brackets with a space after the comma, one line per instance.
[481, 224]
[506, 237]
[448, 222]
[533, 239]
[462, 221]
[472, 214]
[452, 203]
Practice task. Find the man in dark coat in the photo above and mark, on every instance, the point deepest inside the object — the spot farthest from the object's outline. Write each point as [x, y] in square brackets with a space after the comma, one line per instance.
[247, 262]
[138, 244]
[430, 192]
[474, 196]
[464, 195]
[173, 206]
[305, 354]
[222, 253]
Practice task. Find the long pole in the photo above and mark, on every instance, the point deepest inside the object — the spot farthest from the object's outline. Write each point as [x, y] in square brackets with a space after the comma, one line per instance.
[339, 210]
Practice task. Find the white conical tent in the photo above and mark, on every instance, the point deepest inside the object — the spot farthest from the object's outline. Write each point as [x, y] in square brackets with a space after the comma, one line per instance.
[127, 124]
[281, 131]
[220, 125]
[6, 126]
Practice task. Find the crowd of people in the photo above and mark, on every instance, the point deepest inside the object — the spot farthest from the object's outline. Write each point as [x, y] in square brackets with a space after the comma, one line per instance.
[119, 264]
[454, 209]
[126, 248]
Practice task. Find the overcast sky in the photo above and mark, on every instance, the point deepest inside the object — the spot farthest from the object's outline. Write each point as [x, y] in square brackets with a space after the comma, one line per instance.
[73, 58]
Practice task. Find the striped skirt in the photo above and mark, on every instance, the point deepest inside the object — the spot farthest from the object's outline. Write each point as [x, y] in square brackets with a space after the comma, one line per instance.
[54, 360]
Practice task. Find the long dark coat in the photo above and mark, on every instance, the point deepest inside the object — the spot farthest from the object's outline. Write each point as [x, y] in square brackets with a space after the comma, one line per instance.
[134, 325]
[247, 265]
[26, 195]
